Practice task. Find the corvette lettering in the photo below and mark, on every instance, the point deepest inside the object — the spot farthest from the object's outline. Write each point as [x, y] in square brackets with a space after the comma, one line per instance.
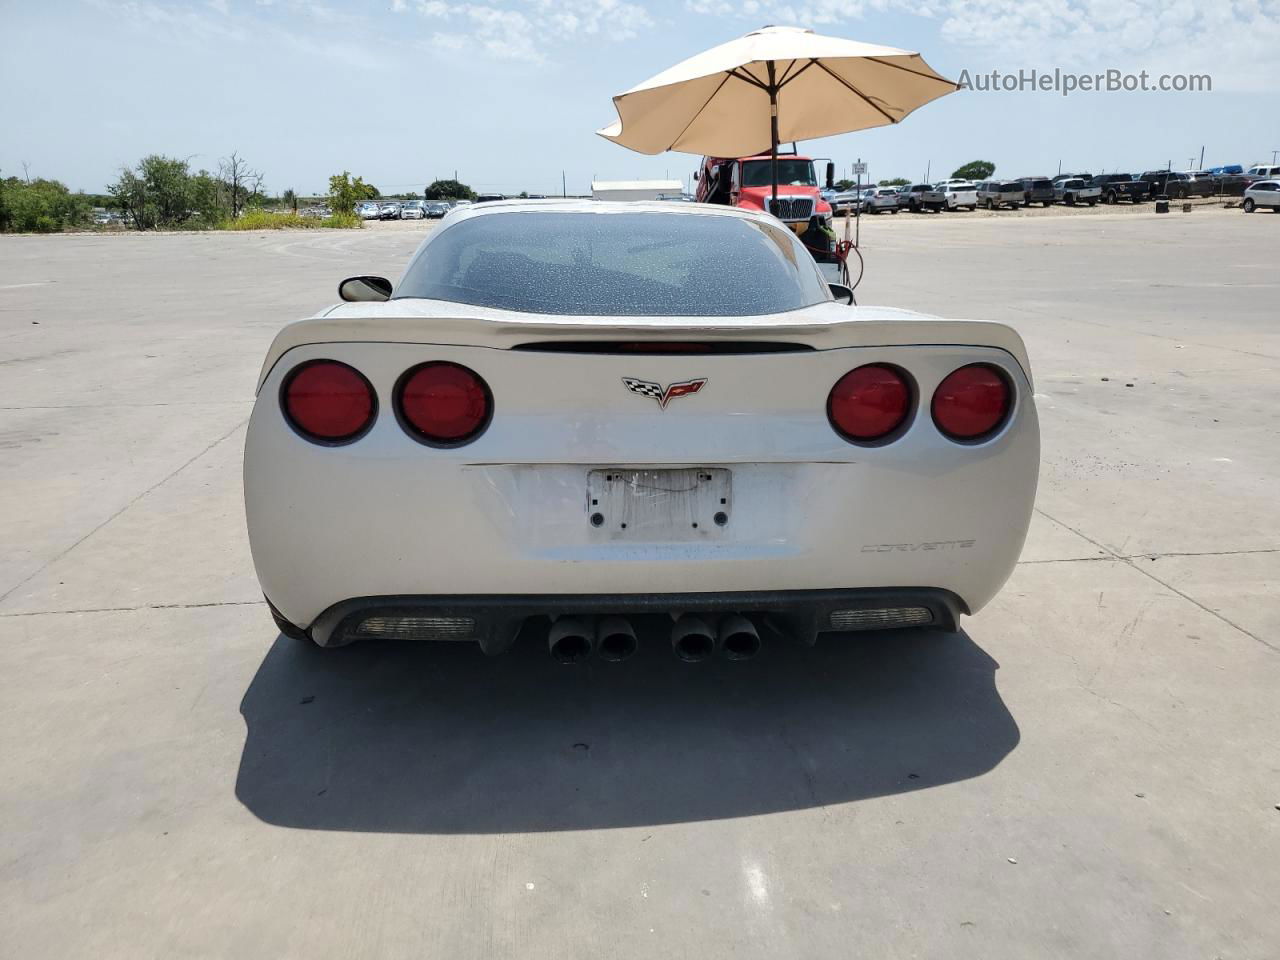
[913, 547]
[664, 395]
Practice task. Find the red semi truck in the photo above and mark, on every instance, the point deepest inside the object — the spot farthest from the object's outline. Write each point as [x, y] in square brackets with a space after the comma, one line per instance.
[747, 182]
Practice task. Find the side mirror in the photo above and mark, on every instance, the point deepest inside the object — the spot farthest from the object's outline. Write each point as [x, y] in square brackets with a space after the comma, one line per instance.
[841, 292]
[831, 175]
[365, 289]
[695, 175]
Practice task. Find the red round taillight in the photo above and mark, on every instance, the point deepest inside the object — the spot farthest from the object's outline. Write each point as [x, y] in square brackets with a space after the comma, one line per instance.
[444, 403]
[869, 403]
[328, 402]
[972, 402]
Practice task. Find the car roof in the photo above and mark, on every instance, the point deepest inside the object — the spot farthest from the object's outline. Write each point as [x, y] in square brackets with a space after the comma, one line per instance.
[572, 205]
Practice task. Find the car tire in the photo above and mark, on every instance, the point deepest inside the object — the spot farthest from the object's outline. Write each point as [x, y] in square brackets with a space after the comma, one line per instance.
[1249, 205]
[1111, 196]
[894, 210]
[1048, 203]
[1091, 201]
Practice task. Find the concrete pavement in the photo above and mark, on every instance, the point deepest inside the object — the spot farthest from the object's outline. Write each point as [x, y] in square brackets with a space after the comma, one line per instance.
[1090, 769]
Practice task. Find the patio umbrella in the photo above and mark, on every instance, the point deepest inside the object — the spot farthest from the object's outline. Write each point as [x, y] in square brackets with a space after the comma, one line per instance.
[776, 83]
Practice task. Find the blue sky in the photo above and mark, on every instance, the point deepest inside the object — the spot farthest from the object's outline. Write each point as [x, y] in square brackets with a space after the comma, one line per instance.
[510, 92]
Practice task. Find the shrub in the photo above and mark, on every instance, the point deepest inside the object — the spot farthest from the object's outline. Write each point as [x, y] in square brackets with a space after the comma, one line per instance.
[343, 221]
[266, 220]
[41, 206]
[448, 190]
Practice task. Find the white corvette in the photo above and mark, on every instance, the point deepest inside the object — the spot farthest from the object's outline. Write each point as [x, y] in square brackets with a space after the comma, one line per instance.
[593, 412]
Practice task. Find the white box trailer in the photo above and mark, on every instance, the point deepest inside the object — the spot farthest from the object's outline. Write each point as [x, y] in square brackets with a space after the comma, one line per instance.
[635, 189]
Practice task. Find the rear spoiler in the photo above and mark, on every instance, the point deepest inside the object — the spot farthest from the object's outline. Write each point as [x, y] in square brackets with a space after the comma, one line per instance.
[825, 326]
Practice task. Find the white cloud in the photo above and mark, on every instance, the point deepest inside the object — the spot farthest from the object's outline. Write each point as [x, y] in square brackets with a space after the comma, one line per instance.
[1235, 41]
[531, 30]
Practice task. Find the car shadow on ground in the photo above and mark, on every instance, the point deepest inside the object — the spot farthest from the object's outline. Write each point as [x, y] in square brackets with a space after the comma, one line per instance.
[437, 738]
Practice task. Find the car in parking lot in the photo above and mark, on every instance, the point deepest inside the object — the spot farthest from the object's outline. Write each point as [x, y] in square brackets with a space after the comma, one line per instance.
[1037, 190]
[369, 211]
[1193, 183]
[1073, 190]
[1229, 184]
[1155, 181]
[993, 194]
[488, 197]
[413, 210]
[557, 414]
[1265, 194]
[959, 194]
[389, 211]
[921, 197]
[435, 209]
[882, 200]
[1115, 187]
[1263, 171]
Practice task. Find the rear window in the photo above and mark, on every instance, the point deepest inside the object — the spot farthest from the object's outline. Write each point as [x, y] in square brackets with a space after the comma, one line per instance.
[616, 264]
[1011, 188]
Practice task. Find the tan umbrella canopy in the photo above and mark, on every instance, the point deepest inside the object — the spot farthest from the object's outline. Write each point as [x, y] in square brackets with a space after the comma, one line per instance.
[775, 84]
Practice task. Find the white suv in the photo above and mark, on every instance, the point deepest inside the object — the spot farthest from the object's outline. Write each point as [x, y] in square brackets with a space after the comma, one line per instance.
[1264, 194]
[1264, 171]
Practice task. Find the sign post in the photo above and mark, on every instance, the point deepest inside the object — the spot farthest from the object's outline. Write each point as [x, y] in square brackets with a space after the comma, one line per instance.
[859, 171]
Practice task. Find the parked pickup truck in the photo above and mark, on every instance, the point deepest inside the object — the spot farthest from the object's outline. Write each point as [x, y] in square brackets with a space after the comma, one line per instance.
[919, 197]
[1121, 186]
[1073, 190]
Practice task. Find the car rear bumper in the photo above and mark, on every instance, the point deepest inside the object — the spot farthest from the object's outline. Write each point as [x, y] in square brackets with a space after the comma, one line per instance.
[508, 514]
[493, 621]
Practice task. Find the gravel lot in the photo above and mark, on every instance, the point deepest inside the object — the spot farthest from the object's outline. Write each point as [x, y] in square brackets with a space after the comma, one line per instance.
[1090, 769]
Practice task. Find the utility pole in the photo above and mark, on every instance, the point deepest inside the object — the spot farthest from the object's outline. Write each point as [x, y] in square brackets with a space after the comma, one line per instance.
[1273, 156]
[1059, 168]
[1201, 167]
[564, 191]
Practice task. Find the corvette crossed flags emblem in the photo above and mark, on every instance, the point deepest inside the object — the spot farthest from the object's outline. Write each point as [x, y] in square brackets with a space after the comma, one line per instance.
[663, 395]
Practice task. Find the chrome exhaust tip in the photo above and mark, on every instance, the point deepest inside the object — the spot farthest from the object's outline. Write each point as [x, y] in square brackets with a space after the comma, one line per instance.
[571, 640]
[737, 637]
[615, 639]
[692, 640]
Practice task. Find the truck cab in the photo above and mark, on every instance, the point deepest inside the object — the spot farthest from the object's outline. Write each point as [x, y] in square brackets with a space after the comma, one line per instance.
[747, 182]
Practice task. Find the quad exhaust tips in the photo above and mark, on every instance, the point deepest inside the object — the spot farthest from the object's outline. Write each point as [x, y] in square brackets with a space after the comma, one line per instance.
[615, 639]
[692, 639]
[737, 638]
[571, 640]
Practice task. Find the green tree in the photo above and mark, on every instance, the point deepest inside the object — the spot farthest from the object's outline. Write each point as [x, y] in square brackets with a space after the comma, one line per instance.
[346, 191]
[290, 199]
[975, 170]
[895, 182]
[448, 190]
[157, 193]
[208, 198]
[40, 206]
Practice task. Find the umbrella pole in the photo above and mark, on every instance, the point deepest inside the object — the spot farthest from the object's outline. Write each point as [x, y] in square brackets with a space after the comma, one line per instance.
[773, 135]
